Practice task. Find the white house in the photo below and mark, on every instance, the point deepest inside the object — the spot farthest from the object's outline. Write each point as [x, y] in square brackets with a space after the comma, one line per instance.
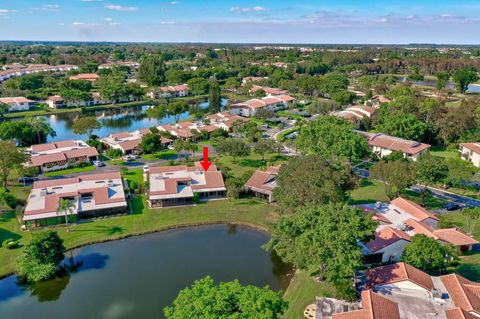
[272, 103]
[387, 246]
[169, 91]
[470, 152]
[17, 103]
[384, 145]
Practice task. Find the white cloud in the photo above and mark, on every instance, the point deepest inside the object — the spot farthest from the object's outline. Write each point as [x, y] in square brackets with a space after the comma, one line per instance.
[117, 7]
[50, 7]
[2, 11]
[167, 22]
[91, 0]
[114, 23]
[249, 9]
[108, 19]
[174, 2]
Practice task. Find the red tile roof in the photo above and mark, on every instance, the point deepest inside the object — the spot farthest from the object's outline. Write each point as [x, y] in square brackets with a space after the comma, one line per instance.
[52, 146]
[398, 272]
[130, 145]
[260, 179]
[463, 292]
[397, 144]
[455, 237]
[386, 237]
[415, 210]
[374, 306]
[459, 313]
[421, 228]
[474, 147]
[81, 152]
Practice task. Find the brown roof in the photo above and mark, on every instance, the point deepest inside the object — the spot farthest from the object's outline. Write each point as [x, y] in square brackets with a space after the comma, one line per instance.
[463, 292]
[19, 99]
[398, 272]
[121, 135]
[459, 313]
[374, 306]
[81, 152]
[455, 237]
[52, 146]
[415, 210]
[421, 228]
[377, 216]
[381, 99]
[130, 145]
[213, 179]
[386, 237]
[42, 159]
[262, 180]
[397, 144]
[85, 76]
[474, 147]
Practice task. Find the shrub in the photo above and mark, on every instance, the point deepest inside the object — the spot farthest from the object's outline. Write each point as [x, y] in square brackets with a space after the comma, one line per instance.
[113, 153]
[196, 198]
[10, 243]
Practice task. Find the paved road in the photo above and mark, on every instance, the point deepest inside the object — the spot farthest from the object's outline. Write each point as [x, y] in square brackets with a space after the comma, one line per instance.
[462, 201]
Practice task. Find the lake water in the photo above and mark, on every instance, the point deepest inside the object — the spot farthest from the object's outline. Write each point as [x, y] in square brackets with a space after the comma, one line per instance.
[113, 121]
[138, 276]
[472, 88]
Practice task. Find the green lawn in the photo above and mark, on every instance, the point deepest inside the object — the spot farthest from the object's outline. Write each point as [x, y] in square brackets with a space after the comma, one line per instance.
[135, 175]
[165, 154]
[143, 220]
[302, 291]
[445, 153]
[246, 165]
[71, 171]
[371, 191]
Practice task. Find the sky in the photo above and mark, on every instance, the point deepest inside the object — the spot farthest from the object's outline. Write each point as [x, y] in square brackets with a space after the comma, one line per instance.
[236, 21]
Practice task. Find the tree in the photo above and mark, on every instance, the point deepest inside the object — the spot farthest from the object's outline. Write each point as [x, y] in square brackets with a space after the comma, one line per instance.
[152, 69]
[332, 137]
[264, 114]
[463, 78]
[205, 299]
[234, 147]
[3, 110]
[442, 80]
[86, 125]
[472, 217]
[112, 89]
[430, 170]
[322, 107]
[179, 145]
[41, 257]
[198, 86]
[323, 240]
[402, 125]
[64, 206]
[11, 158]
[343, 97]
[396, 175]
[313, 180]
[425, 253]
[151, 143]
[214, 100]
[177, 108]
[264, 146]
[157, 112]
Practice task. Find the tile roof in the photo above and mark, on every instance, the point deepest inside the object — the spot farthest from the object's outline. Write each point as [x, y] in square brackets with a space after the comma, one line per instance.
[459, 313]
[475, 147]
[455, 237]
[398, 272]
[415, 210]
[374, 306]
[52, 146]
[263, 180]
[11, 100]
[386, 237]
[397, 144]
[463, 292]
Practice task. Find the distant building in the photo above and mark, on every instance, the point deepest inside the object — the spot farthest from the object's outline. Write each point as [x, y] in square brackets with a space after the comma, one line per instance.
[177, 185]
[91, 196]
[169, 91]
[91, 77]
[378, 100]
[15, 70]
[262, 183]
[356, 113]
[118, 63]
[17, 103]
[273, 103]
[269, 91]
[59, 155]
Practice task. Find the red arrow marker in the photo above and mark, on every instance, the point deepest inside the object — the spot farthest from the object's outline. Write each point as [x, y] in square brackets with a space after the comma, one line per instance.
[205, 163]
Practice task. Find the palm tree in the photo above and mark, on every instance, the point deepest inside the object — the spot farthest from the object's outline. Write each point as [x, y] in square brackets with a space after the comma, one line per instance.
[64, 206]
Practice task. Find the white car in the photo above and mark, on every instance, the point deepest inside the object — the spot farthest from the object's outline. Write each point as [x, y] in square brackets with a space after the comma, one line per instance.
[146, 169]
[98, 163]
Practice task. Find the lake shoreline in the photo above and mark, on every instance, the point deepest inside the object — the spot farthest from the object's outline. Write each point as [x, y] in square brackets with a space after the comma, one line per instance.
[163, 229]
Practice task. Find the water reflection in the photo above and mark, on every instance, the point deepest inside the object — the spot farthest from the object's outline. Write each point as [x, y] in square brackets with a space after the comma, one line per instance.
[49, 290]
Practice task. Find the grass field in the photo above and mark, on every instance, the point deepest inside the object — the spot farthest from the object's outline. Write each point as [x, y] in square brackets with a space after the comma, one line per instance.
[71, 171]
[302, 291]
[246, 165]
[165, 154]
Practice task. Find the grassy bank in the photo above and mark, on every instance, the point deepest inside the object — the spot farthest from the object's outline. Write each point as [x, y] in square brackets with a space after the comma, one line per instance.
[144, 220]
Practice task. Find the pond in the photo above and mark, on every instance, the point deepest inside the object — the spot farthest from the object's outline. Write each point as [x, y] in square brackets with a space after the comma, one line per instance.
[113, 121]
[472, 88]
[138, 276]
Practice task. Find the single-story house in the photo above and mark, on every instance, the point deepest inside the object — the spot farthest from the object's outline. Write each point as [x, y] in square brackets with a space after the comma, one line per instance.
[178, 185]
[387, 246]
[272, 103]
[470, 152]
[17, 103]
[378, 100]
[374, 306]
[58, 155]
[384, 145]
[463, 293]
[398, 277]
[401, 206]
[129, 143]
[356, 113]
[110, 65]
[90, 195]
[262, 183]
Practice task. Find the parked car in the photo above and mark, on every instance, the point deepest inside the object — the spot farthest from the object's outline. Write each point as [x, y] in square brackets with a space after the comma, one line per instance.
[98, 163]
[451, 206]
[170, 147]
[128, 157]
[146, 169]
[27, 180]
